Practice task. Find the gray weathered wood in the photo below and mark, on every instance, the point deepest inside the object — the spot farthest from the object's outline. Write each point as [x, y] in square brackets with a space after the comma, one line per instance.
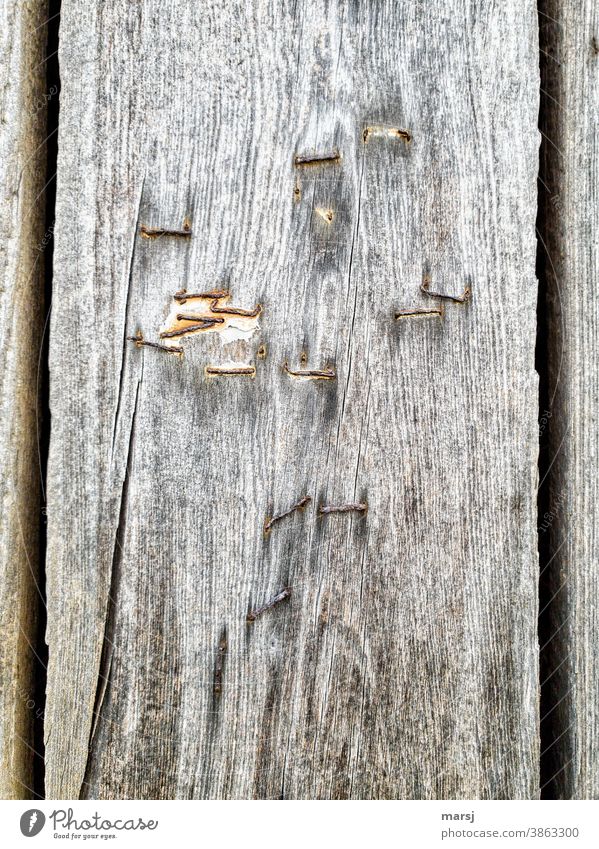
[404, 664]
[569, 195]
[22, 170]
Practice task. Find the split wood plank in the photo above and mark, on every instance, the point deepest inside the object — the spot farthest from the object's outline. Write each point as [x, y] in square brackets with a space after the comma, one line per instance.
[569, 263]
[23, 100]
[404, 662]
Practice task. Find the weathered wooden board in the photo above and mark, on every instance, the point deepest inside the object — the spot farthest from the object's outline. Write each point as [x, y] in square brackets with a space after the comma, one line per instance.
[569, 195]
[22, 212]
[404, 663]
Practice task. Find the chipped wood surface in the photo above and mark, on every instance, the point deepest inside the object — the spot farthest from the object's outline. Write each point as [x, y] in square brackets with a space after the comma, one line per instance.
[22, 158]
[403, 663]
[569, 203]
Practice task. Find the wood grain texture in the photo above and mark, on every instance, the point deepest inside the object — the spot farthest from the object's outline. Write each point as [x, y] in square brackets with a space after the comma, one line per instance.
[22, 154]
[404, 662]
[569, 216]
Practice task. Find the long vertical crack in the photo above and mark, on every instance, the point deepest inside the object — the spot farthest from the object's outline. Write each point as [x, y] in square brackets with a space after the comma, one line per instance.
[52, 111]
[556, 735]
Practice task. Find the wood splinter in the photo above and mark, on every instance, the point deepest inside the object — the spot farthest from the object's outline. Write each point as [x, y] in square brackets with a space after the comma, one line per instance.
[156, 232]
[458, 299]
[360, 507]
[420, 313]
[310, 374]
[140, 342]
[270, 520]
[254, 614]
[230, 371]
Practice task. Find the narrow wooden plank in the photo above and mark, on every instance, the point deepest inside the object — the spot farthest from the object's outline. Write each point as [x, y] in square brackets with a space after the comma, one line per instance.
[22, 211]
[403, 663]
[569, 219]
